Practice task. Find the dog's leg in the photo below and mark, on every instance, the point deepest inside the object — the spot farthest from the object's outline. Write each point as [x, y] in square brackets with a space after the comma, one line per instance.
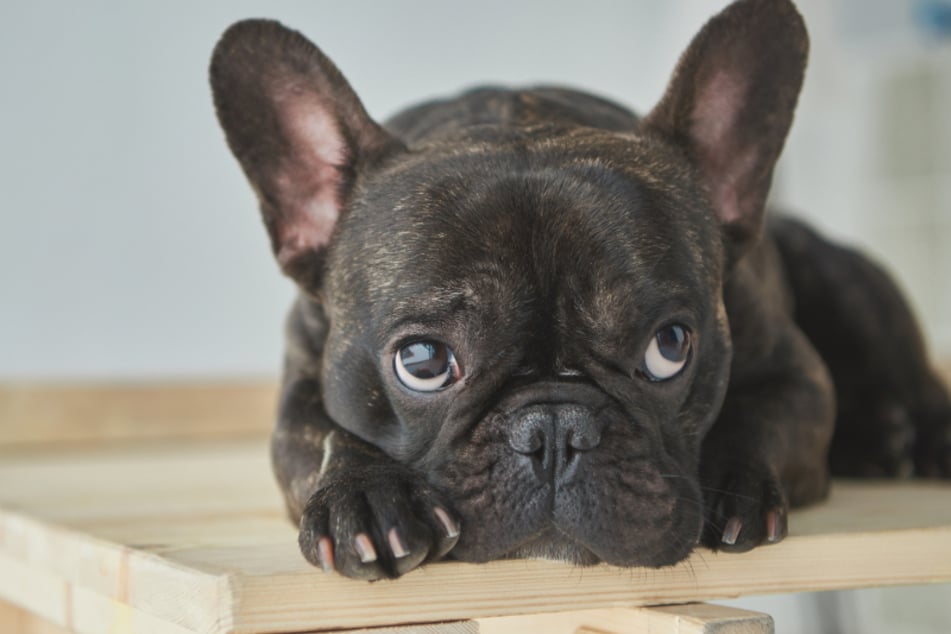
[359, 511]
[894, 414]
[767, 450]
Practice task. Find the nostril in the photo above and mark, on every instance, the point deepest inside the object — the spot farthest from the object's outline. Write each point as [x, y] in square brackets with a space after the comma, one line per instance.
[528, 443]
[582, 431]
[578, 443]
[570, 453]
[539, 454]
[527, 436]
[583, 440]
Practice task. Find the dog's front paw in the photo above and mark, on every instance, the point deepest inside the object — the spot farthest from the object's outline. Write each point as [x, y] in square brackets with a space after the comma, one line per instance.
[933, 450]
[874, 438]
[933, 446]
[376, 522]
[745, 506]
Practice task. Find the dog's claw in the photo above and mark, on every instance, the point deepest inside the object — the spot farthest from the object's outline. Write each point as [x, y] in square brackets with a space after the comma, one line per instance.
[452, 530]
[775, 526]
[746, 507]
[325, 553]
[732, 531]
[396, 544]
[364, 548]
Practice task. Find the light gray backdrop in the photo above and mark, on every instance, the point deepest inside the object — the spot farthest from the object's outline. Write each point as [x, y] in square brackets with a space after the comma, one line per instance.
[130, 245]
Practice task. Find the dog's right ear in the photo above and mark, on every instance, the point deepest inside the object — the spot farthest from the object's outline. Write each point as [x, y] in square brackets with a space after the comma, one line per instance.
[299, 132]
[729, 106]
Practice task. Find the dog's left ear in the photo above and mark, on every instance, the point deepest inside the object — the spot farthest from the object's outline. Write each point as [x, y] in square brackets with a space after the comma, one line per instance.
[299, 132]
[730, 103]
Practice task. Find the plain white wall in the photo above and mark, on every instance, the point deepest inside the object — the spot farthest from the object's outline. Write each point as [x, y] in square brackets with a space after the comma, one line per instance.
[130, 245]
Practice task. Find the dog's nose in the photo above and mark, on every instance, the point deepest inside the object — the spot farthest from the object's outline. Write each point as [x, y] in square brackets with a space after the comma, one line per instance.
[554, 436]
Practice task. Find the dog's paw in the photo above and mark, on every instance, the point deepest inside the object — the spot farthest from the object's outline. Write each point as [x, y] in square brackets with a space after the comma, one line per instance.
[374, 523]
[933, 449]
[875, 438]
[744, 507]
[933, 456]
[933, 415]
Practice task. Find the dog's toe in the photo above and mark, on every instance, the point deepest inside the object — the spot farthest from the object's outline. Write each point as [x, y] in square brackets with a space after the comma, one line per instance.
[745, 508]
[376, 524]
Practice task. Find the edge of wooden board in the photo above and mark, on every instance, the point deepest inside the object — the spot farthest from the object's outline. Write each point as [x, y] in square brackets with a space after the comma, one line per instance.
[82, 583]
[446, 592]
[50, 414]
[129, 583]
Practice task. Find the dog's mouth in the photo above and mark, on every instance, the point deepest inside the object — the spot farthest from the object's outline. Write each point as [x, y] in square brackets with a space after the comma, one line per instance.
[555, 545]
[586, 522]
[550, 543]
[572, 480]
[553, 542]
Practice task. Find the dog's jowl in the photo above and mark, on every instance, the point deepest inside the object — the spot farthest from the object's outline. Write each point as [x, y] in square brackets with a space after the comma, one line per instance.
[533, 324]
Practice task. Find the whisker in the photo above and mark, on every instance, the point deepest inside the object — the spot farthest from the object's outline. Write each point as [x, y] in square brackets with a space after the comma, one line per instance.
[731, 494]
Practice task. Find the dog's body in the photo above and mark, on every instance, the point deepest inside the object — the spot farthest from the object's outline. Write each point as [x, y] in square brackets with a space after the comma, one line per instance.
[532, 324]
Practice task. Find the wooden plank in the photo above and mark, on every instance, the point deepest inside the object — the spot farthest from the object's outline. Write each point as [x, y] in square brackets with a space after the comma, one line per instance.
[455, 627]
[35, 590]
[284, 601]
[193, 537]
[690, 618]
[16, 620]
[64, 413]
[78, 583]
[705, 618]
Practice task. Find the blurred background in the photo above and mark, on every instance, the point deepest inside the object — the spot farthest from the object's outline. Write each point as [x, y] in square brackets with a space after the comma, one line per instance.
[131, 247]
[130, 244]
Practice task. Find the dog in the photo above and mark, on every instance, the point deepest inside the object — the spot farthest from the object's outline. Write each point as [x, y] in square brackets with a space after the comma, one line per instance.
[533, 324]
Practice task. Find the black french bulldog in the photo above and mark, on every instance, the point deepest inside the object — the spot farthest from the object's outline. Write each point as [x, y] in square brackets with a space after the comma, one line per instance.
[532, 324]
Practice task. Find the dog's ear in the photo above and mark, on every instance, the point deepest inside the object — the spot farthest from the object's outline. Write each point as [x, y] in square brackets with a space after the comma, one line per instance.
[730, 103]
[299, 132]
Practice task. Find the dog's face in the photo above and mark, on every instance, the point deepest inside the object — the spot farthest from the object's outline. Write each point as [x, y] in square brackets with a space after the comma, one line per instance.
[546, 343]
[531, 317]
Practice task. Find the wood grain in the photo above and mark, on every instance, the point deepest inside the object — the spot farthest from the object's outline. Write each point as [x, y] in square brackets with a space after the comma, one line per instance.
[178, 527]
[191, 537]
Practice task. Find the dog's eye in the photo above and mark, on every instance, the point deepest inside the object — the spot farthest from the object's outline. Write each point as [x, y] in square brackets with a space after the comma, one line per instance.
[666, 354]
[426, 366]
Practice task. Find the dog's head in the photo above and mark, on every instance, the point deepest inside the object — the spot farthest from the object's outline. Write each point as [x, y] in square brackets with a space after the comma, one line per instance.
[532, 317]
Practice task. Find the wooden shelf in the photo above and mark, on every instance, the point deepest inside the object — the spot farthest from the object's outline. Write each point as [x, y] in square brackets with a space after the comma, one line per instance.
[42, 414]
[151, 507]
[191, 537]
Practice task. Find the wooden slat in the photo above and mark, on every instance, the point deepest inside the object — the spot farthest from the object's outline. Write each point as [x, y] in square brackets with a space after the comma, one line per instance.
[444, 592]
[705, 618]
[192, 537]
[455, 627]
[690, 618]
[19, 621]
[36, 413]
